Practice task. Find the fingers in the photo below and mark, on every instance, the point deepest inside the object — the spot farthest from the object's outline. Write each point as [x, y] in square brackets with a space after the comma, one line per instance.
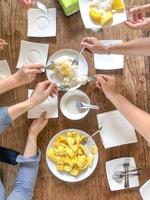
[33, 71]
[33, 66]
[52, 89]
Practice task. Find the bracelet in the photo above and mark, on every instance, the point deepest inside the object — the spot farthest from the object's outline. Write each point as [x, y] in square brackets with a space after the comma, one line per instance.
[109, 49]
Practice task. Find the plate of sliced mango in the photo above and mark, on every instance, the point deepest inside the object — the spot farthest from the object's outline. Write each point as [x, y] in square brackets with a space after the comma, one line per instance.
[66, 73]
[72, 155]
[98, 14]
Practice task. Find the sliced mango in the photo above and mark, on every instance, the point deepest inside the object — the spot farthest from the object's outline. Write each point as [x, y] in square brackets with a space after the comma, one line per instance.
[94, 149]
[106, 18]
[118, 4]
[94, 14]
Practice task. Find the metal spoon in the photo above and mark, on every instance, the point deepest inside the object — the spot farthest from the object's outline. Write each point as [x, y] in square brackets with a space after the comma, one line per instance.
[50, 66]
[82, 105]
[76, 60]
[42, 7]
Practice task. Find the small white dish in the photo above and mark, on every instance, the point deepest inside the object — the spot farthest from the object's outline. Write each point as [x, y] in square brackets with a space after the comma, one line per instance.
[50, 105]
[118, 17]
[68, 104]
[41, 24]
[82, 69]
[115, 165]
[145, 190]
[85, 173]
[109, 62]
[116, 129]
[32, 53]
[4, 69]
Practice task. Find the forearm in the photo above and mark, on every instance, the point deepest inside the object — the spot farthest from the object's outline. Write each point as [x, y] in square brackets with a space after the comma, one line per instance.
[31, 146]
[138, 47]
[19, 109]
[26, 177]
[8, 84]
[146, 7]
[139, 119]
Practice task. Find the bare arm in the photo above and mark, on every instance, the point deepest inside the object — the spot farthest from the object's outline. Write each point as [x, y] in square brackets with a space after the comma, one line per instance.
[139, 119]
[138, 47]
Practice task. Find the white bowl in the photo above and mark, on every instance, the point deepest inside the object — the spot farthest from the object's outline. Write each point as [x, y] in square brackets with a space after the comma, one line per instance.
[82, 69]
[68, 104]
[145, 190]
[65, 176]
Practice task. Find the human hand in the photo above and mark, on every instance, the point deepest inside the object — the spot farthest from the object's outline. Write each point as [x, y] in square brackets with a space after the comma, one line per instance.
[3, 43]
[107, 84]
[136, 19]
[42, 91]
[26, 3]
[37, 126]
[94, 45]
[27, 74]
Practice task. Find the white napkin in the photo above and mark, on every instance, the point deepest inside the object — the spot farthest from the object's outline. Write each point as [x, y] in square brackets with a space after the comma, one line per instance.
[145, 190]
[50, 105]
[109, 62]
[4, 69]
[116, 130]
[41, 24]
[31, 53]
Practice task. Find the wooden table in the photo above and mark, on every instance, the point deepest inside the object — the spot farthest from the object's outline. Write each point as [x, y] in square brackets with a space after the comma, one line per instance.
[133, 81]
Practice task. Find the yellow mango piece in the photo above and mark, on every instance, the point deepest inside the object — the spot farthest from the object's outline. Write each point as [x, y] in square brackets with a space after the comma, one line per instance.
[74, 148]
[107, 17]
[70, 141]
[59, 167]
[70, 153]
[75, 171]
[50, 154]
[118, 5]
[94, 14]
[83, 149]
[94, 149]
[82, 161]
[90, 160]
[67, 168]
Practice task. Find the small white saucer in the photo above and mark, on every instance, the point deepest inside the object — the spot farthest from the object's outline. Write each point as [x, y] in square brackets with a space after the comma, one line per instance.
[68, 104]
[145, 190]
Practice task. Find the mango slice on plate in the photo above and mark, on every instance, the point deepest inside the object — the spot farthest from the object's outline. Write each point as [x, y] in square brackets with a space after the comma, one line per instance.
[107, 17]
[94, 149]
[90, 160]
[118, 4]
[94, 14]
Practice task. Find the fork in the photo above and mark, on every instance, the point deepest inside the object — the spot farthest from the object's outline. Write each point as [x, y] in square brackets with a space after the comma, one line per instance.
[76, 60]
[126, 168]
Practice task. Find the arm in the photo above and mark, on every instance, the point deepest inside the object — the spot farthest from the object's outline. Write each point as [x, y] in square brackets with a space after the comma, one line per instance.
[24, 75]
[29, 163]
[139, 119]
[41, 93]
[138, 47]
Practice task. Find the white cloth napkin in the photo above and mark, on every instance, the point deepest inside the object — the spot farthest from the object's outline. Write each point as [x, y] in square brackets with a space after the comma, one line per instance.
[116, 130]
[50, 105]
[109, 62]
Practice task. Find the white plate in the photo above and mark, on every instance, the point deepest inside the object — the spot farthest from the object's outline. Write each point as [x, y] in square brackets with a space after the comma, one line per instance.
[89, 23]
[109, 62]
[115, 165]
[116, 129]
[68, 104]
[31, 53]
[4, 69]
[41, 24]
[82, 69]
[145, 190]
[65, 176]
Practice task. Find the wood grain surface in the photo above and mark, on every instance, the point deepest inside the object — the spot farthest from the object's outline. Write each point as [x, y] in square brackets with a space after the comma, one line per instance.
[133, 82]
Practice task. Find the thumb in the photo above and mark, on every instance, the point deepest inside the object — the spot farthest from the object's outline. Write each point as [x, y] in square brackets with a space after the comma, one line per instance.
[101, 80]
